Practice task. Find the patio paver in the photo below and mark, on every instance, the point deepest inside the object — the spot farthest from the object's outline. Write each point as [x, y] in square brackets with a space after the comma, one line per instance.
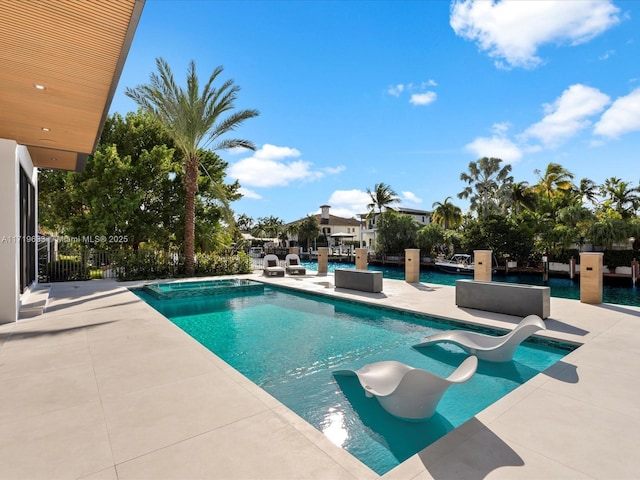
[103, 387]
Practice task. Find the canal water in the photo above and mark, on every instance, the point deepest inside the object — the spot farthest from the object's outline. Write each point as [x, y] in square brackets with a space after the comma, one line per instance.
[561, 287]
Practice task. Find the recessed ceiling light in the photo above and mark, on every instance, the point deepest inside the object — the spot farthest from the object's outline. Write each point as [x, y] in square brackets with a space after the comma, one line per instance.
[46, 129]
[53, 159]
[37, 86]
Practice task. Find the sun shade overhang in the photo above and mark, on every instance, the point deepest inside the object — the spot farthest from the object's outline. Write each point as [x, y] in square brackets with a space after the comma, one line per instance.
[60, 62]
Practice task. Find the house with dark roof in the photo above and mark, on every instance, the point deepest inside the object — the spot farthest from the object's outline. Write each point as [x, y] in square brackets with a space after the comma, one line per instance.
[336, 229]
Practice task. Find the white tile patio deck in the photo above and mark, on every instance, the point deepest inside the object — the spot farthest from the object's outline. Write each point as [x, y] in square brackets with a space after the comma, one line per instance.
[101, 386]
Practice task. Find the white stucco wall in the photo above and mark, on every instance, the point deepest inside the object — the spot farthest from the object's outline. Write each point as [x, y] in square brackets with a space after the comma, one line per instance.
[12, 156]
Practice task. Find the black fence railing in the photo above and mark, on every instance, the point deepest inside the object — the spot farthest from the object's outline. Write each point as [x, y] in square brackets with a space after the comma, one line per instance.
[90, 264]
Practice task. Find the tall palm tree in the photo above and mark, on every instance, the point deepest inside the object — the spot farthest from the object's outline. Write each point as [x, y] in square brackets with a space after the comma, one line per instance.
[488, 185]
[195, 120]
[447, 214]
[381, 197]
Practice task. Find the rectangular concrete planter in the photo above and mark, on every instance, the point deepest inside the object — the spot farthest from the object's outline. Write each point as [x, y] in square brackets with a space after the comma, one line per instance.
[363, 280]
[509, 298]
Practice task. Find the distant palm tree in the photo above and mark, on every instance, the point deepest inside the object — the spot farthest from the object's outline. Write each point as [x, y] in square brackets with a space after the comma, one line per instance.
[244, 222]
[621, 196]
[522, 197]
[447, 214]
[308, 230]
[555, 181]
[487, 182]
[195, 120]
[381, 197]
[588, 190]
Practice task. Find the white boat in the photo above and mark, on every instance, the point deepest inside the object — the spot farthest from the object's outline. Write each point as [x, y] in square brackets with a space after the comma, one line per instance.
[460, 263]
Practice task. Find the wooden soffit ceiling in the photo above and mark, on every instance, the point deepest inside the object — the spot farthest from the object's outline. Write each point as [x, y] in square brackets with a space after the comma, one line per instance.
[60, 62]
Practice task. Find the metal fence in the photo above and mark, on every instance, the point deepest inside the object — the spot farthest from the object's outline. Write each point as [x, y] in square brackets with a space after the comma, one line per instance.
[77, 263]
[73, 264]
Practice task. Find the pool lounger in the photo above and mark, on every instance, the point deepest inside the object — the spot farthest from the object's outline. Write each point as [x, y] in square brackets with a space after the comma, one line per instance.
[487, 347]
[272, 267]
[292, 265]
[411, 394]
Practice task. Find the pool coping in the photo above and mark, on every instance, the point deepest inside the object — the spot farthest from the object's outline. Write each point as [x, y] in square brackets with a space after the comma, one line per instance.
[589, 398]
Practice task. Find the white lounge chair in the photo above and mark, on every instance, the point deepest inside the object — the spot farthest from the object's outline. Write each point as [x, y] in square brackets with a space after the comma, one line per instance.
[272, 266]
[292, 265]
[405, 392]
[487, 347]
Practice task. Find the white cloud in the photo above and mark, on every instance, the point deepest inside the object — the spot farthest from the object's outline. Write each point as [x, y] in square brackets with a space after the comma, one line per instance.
[501, 128]
[334, 170]
[267, 167]
[622, 117]
[568, 114]
[497, 147]
[273, 152]
[513, 31]
[247, 193]
[349, 203]
[396, 90]
[410, 197]
[419, 94]
[423, 98]
[606, 55]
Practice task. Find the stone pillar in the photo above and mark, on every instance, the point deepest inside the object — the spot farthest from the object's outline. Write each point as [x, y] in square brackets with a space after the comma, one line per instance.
[323, 260]
[294, 250]
[412, 265]
[362, 259]
[635, 271]
[591, 277]
[482, 265]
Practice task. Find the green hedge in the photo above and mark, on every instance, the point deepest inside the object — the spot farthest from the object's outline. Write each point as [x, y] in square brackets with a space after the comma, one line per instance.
[620, 258]
[145, 265]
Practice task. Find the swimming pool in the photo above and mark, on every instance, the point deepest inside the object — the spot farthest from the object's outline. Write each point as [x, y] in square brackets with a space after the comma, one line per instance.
[288, 343]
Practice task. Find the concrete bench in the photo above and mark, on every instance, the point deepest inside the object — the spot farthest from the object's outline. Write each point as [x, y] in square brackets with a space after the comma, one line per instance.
[364, 280]
[499, 297]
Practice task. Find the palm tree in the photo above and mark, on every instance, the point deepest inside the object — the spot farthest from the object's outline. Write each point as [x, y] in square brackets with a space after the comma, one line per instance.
[244, 222]
[522, 197]
[621, 196]
[381, 197]
[195, 120]
[488, 185]
[308, 230]
[556, 181]
[588, 190]
[447, 214]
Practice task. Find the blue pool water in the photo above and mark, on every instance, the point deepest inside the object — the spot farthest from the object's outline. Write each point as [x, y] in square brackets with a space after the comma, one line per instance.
[288, 343]
[560, 287]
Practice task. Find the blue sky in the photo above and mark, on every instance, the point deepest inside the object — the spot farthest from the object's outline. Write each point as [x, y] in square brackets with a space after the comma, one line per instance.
[355, 93]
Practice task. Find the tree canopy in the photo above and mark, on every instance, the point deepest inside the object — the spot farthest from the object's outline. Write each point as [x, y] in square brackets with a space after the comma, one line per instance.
[132, 188]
